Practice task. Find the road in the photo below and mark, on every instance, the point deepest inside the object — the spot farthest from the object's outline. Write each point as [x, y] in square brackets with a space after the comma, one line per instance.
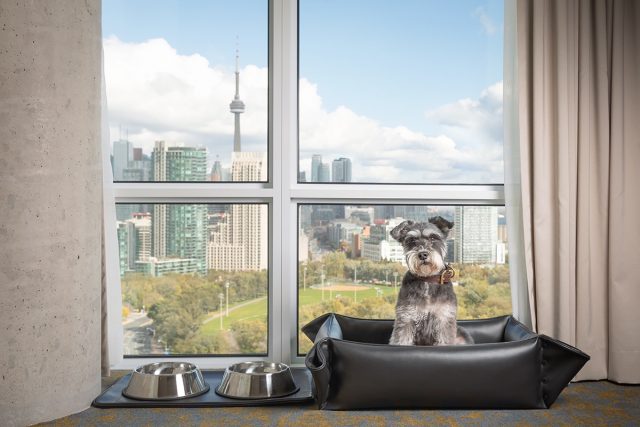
[137, 338]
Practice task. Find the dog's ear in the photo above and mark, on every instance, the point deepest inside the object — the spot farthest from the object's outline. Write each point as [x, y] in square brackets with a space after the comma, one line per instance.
[401, 230]
[444, 225]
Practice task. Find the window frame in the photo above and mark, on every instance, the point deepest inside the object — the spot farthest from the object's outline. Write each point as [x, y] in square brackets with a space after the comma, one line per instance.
[282, 193]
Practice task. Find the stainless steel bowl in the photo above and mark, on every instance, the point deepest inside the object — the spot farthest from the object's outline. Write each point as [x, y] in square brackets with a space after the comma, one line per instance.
[165, 381]
[257, 380]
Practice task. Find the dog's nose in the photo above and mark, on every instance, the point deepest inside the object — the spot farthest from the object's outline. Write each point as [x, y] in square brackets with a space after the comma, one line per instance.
[423, 256]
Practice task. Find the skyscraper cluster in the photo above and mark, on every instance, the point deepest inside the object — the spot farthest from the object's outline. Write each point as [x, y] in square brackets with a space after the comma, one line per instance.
[129, 163]
[240, 241]
[478, 236]
[340, 170]
[177, 238]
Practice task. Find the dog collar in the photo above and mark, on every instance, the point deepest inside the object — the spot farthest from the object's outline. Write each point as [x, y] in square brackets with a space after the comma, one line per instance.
[444, 277]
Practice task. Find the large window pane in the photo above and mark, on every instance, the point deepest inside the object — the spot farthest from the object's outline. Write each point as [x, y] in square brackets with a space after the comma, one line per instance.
[349, 264]
[403, 91]
[194, 278]
[187, 89]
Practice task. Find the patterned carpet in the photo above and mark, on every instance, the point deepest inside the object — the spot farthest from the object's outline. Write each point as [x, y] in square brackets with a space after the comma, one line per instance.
[598, 403]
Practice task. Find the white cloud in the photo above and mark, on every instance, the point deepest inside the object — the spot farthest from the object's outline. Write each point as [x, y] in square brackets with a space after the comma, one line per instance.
[485, 20]
[468, 149]
[156, 93]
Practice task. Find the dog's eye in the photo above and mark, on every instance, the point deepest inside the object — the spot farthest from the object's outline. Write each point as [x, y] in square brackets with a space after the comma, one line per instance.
[433, 237]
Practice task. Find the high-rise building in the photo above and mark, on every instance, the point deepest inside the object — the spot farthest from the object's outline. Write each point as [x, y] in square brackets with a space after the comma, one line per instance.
[180, 231]
[142, 226]
[380, 246]
[129, 163]
[134, 239]
[384, 212]
[415, 213]
[216, 171]
[248, 166]
[302, 176]
[239, 241]
[178, 163]
[339, 231]
[341, 170]
[122, 154]
[123, 246]
[360, 214]
[324, 174]
[475, 234]
[159, 267]
[316, 161]
[502, 227]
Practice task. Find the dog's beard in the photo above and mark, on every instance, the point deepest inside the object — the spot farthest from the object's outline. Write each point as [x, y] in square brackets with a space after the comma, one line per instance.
[431, 266]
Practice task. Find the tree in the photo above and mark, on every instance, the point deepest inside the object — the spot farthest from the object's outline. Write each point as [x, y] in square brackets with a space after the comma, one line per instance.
[201, 344]
[334, 263]
[251, 335]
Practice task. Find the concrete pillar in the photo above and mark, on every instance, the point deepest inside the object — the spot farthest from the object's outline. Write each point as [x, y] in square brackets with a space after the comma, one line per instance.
[50, 208]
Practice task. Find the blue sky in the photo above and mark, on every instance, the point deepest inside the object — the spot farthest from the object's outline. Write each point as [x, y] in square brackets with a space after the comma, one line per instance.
[399, 63]
[193, 26]
[392, 60]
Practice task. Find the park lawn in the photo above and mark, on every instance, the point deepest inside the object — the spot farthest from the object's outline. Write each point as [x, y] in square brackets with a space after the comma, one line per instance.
[254, 310]
[258, 308]
[313, 296]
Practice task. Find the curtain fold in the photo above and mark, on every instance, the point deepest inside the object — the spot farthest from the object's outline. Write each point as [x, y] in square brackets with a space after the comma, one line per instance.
[624, 194]
[578, 67]
[512, 179]
[112, 334]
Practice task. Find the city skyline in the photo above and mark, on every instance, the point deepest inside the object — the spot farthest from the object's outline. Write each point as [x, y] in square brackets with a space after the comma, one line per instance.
[190, 103]
[478, 236]
[182, 240]
[187, 79]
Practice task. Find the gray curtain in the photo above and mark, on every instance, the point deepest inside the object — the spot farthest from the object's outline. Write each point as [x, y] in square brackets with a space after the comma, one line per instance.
[578, 77]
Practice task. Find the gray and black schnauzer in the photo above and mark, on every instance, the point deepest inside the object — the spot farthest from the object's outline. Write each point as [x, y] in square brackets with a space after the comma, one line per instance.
[427, 306]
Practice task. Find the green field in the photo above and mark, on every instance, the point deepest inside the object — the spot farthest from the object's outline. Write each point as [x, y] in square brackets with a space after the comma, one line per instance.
[257, 308]
[313, 296]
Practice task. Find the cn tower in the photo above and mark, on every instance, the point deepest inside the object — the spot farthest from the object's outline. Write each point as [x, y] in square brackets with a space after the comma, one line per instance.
[237, 107]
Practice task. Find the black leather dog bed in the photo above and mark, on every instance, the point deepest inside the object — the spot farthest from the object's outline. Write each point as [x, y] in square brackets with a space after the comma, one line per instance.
[353, 367]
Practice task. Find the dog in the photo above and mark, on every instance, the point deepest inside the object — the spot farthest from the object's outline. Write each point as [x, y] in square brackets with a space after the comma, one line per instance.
[427, 306]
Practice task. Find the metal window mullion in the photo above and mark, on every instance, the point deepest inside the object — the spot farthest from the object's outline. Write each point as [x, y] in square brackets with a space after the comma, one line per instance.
[276, 256]
[288, 174]
[398, 194]
[189, 193]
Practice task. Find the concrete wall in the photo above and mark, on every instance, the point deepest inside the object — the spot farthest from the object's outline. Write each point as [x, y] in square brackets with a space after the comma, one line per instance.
[50, 208]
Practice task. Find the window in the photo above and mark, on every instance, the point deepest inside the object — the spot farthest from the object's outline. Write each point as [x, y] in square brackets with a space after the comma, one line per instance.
[187, 87]
[214, 189]
[194, 278]
[349, 264]
[400, 92]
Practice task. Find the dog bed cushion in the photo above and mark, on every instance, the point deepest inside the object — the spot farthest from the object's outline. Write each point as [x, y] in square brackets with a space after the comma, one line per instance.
[508, 367]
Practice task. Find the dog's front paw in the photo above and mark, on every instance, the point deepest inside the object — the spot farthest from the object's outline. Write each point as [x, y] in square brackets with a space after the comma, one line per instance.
[395, 341]
[463, 337]
[403, 334]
